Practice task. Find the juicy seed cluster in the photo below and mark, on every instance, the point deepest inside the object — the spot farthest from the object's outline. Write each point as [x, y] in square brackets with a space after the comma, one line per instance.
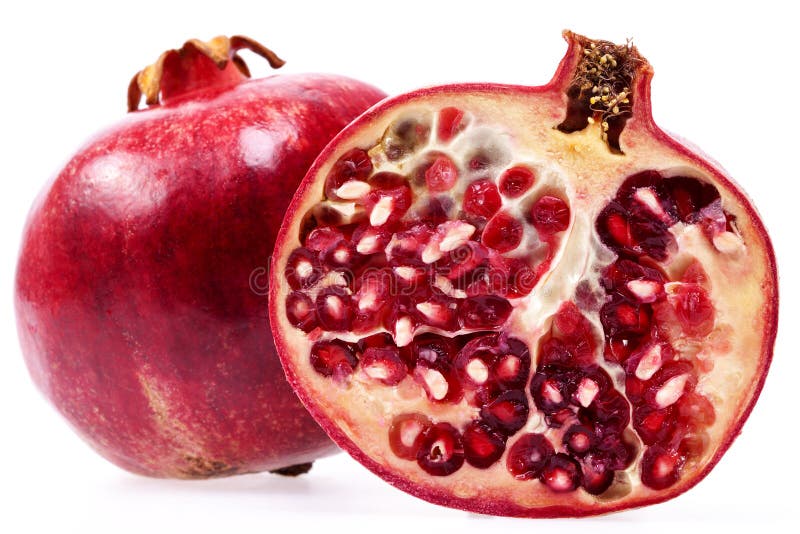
[434, 229]
[668, 415]
[410, 272]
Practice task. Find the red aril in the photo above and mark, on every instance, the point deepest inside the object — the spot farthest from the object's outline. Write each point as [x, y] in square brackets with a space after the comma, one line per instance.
[141, 282]
[604, 380]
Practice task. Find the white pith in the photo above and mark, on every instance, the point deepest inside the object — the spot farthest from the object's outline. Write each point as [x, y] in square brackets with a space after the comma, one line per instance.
[578, 168]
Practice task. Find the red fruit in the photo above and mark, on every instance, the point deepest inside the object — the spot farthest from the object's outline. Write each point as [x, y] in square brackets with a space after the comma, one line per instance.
[141, 282]
[645, 291]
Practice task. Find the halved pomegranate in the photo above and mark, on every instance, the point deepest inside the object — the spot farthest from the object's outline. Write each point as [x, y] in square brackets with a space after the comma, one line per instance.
[586, 308]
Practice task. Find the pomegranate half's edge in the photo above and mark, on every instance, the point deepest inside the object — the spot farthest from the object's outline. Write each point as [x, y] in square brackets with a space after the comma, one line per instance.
[526, 301]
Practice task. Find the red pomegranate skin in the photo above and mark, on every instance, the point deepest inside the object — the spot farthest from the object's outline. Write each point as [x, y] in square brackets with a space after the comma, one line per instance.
[141, 283]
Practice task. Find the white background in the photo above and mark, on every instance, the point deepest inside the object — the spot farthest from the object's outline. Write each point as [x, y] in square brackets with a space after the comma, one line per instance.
[726, 78]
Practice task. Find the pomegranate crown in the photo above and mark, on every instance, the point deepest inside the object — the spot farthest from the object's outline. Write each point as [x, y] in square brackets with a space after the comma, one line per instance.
[602, 86]
[179, 71]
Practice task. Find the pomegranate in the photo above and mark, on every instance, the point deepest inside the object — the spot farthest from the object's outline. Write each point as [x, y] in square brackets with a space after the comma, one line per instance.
[584, 306]
[141, 283]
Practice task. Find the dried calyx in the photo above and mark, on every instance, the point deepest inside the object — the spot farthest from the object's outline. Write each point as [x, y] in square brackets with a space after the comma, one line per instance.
[601, 89]
[196, 64]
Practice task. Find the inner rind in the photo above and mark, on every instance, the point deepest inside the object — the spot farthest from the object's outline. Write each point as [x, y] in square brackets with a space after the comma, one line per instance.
[494, 156]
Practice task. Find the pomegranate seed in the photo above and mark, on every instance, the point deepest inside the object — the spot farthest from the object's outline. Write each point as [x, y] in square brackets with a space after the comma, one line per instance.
[569, 322]
[439, 311]
[514, 182]
[454, 234]
[646, 291]
[353, 165]
[379, 341]
[432, 355]
[697, 409]
[441, 450]
[654, 426]
[578, 439]
[451, 122]
[482, 445]
[404, 137]
[597, 477]
[333, 358]
[387, 180]
[481, 199]
[484, 311]
[623, 317]
[618, 276]
[384, 365]
[617, 226]
[409, 243]
[405, 434]
[660, 467]
[586, 392]
[549, 388]
[549, 215]
[442, 175]
[528, 456]
[434, 382]
[373, 290]
[560, 418]
[477, 371]
[389, 204]
[618, 349]
[693, 445]
[508, 413]
[669, 393]
[615, 452]
[511, 371]
[302, 269]
[300, 311]
[322, 238]
[449, 236]
[553, 351]
[434, 349]
[669, 383]
[353, 190]
[694, 309]
[409, 276]
[502, 233]
[561, 473]
[461, 261]
[649, 362]
[610, 410]
[690, 196]
[521, 278]
[334, 309]
[648, 199]
[369, 239]
[403, 331]
[343, 255]
[695, 274]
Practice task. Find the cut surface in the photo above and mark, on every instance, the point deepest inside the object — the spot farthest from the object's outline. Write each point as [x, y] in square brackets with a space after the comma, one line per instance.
[581, 330]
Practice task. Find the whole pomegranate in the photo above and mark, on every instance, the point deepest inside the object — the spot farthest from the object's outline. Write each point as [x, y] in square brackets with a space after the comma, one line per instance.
[526, 301]
[140, 289]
